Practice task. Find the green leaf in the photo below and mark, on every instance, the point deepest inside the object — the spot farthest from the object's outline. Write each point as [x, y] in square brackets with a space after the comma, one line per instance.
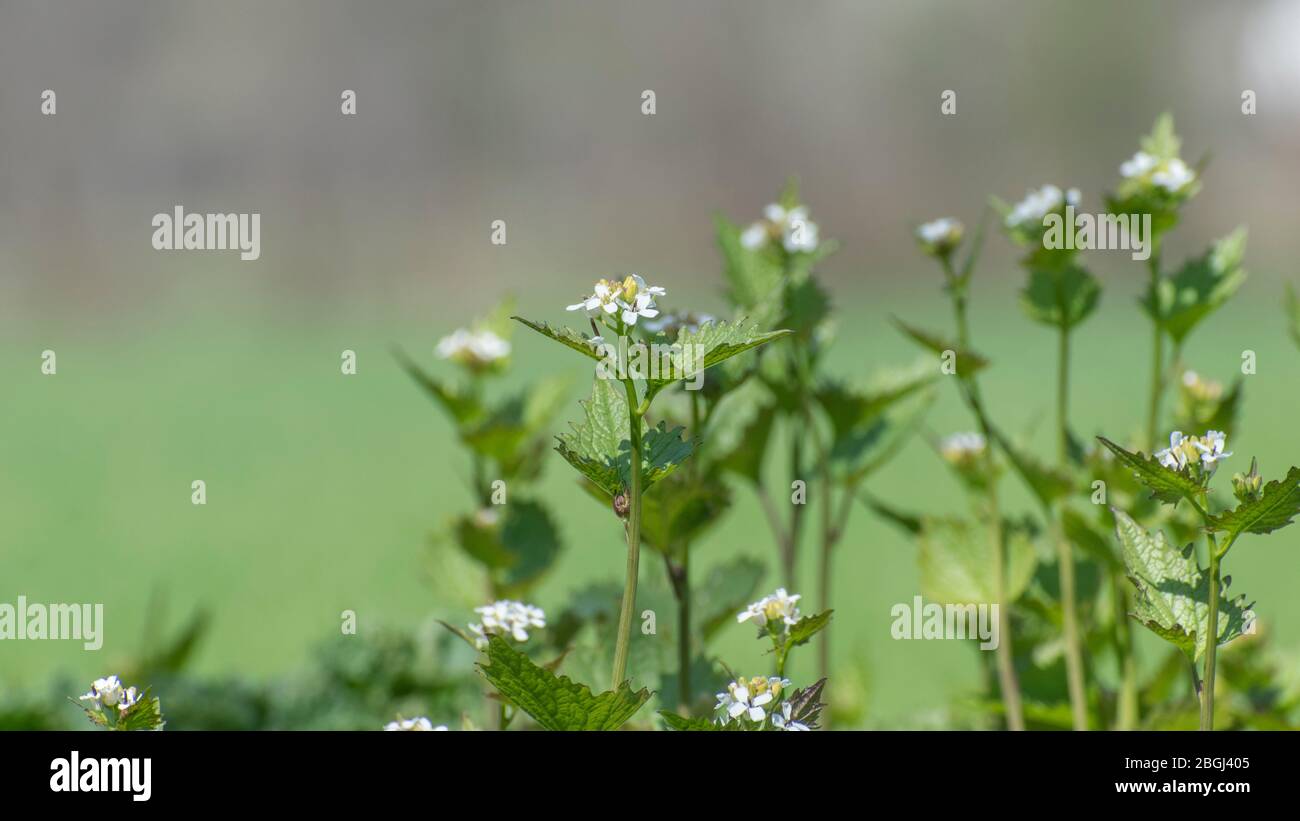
[520, 547]
[753, 275]
[1046, 482]
[806, 704]
[710, 344]
[968, 362]
[908, 522]
[461, 406]
[1173, 591]
[1060, 296]
[509, 426]
[565, 336]
[724, 592]
[869, 427]
[1085, 535]
[683, 724]
[1200, 287]
[1165, 484]
[679, 509]
[1162, 143]
[599, 447]
[807, 627]
[957, 563]
[1276, 506]
[555, 702]
[146, 714]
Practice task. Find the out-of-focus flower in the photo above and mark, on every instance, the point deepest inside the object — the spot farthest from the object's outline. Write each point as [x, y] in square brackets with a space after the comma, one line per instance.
[420, 724]
[475, 349]
[798, 234]
[778, 609]
[1029, 212]
[1173, 175]
[963, 448]
[506, 618]
[939, 237]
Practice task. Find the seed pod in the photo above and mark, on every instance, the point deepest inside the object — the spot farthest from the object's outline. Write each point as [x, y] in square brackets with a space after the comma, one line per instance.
[621, 505]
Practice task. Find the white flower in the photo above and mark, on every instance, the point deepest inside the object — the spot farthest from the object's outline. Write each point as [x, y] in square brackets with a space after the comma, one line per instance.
[749, 697]
[506, 618]
[774, 213]
[1173, 176]
[1201, 389]
[475, 348]
[631, 299]
[754, 237]
[420, 724]
[945, 231]
[782, 720]
[1141, 163]
[1206, 451]
[961, 447]
[779, 607]
[129, 699]
[1040, 203]
[106, 692]
[798, 233]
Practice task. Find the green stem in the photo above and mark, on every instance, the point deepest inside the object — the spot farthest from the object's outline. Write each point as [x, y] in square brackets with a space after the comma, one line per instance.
[1211, 639]
[633, 527]
[1064, 552]
[1157, 357]
[1128, 689]
[1008, 683]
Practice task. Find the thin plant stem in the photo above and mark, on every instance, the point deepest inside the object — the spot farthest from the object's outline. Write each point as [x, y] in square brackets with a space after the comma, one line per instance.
[633, 528]
[1157, 355]
[1128, 716]
[1007, 681]
[1064, 552]
[1211, 638]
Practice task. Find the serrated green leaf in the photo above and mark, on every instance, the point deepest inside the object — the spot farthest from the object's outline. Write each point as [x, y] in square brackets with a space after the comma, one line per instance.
[146, 714]
[806, 704]
[968, 362]
[1162, 143]
[565, 336]
[1165, 484]
[683, 724]
[599, 447]
[704, 347]
[1060, 296]
[1173, 591]
[957, 563]
[1200, 287]
[556, 702]
[1277, 504]
[807, 627]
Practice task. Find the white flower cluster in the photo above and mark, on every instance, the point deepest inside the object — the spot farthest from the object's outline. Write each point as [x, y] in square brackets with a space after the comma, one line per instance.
[940, 236]
[960, 448]
[778, 608]
[109, 692]
[630, 299]
[792, 227]
[1200, 389]
[420, 724]
[506, 618]
[1173, 175]
[1205, 451]
[1029, 212]
[753, 699]
[474, 348]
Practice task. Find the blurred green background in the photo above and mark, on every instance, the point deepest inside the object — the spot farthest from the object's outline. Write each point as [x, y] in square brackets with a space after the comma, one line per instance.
[323, 489]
